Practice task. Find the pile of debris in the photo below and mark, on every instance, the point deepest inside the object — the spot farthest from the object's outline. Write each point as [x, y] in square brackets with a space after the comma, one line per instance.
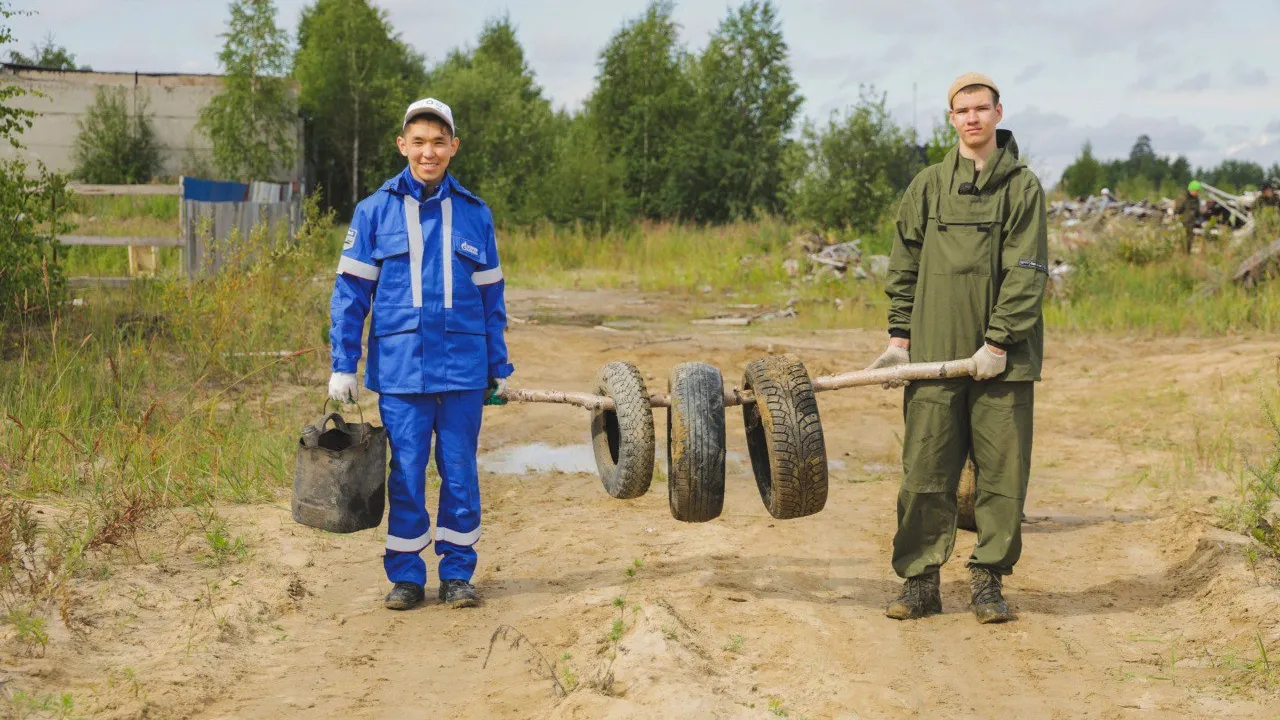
[835, 259]
[1074, 212]
[1232, 211]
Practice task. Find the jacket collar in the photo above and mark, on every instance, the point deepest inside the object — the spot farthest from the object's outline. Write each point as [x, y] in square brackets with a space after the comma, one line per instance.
[406, 184]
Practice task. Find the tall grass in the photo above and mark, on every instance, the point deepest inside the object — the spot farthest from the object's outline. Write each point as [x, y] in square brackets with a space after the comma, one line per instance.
[170, 389]
[711, 267]
[170, 393]
[1133, 279]
[1137, 279]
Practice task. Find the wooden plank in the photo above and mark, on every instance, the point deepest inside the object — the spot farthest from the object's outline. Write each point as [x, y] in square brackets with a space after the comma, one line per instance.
[120, 241]
[81, 282]
[80, 189]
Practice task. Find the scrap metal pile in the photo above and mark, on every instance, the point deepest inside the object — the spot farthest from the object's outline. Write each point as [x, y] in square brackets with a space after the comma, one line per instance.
[1097, 212]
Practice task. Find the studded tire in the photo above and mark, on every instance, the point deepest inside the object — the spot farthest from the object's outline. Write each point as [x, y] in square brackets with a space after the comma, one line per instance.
[695, 442]
[784, 437]
[623, 438]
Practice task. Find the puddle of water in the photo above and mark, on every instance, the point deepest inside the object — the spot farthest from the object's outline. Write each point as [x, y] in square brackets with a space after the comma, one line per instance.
[539, 458]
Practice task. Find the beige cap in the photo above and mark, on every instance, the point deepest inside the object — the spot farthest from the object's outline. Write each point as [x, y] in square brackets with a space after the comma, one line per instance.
[967, 79]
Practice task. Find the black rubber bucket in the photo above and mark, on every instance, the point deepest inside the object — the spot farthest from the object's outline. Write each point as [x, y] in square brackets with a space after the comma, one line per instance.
[340, 481]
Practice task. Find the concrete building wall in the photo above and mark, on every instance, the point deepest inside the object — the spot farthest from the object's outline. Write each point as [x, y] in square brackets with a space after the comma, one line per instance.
[174, 103]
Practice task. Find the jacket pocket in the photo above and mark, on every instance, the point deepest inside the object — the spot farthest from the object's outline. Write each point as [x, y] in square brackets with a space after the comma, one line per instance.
[393, 319]
[470, 252]
[963, 237]
[391, 251]
[961, 250]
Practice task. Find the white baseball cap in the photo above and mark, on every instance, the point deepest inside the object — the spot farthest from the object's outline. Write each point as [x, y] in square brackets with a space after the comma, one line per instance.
[429, 106]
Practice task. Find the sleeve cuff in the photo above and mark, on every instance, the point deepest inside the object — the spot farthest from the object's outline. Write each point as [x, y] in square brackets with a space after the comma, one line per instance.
[899, 333]
[345, 365]
[501, 371]
[1002, 345]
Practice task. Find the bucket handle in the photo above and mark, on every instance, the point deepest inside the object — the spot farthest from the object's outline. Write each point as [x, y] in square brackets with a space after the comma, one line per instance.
[325, 407]
[338, 422]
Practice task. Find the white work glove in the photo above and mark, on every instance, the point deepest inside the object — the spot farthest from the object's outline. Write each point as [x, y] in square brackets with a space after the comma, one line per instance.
[343, 387]
[890, 358]
[989, 364]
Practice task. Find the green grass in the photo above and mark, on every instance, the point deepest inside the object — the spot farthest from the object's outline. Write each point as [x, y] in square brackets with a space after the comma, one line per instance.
[734, 264]
[1140, 282]
[126, 207]
[1133, 282]
[169, 393]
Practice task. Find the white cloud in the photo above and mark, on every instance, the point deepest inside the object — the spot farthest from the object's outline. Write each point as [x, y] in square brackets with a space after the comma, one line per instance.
[1088, 69]
[1250, 76]
[1195, 83]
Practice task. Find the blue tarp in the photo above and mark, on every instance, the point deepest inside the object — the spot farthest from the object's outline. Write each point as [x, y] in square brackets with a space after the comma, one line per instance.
[214, 190]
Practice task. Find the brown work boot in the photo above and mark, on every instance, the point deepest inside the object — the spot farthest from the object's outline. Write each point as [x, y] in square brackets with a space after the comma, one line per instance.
[921, 597]
[988, 601]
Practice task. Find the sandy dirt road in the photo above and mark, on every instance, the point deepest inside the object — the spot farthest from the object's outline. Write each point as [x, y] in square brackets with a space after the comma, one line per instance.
[1131, 604]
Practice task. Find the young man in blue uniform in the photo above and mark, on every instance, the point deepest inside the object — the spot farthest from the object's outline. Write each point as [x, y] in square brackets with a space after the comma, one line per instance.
[421, 252]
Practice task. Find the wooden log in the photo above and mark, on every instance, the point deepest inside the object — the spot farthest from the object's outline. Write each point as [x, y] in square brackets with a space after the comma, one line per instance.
[85, 189]
[735, 397]
[910, 371]
[1255, 267]
[111, 241]
[83, 282]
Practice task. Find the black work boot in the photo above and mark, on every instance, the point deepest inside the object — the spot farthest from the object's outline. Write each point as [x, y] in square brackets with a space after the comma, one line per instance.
[458, 594]
[988, 602]
[921, 597]
[403, 596]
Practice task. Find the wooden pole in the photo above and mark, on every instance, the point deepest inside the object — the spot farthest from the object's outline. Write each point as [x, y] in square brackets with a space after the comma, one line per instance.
[735, 397]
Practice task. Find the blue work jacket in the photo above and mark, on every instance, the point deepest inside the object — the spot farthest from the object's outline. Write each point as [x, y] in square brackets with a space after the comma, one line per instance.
[429, 268]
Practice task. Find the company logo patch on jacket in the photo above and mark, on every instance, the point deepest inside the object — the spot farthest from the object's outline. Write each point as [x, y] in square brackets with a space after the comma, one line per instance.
[351, 239]
[1033, 265]
[466, 248]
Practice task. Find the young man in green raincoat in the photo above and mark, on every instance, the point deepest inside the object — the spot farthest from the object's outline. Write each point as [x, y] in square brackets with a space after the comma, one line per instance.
[967, 278]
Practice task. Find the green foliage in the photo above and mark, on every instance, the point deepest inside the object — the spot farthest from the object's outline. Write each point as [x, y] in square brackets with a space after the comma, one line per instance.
[29, 628]
[1146, 175]
[943, 138]
[747, 102]
[1237, 175]
[13, 121]
[584, 184]
[144, 391]
[850, 172]
[223, 548]
[642, 106]
[47, 55]
[32, 211]
[1253, 511]
[503, 119]
[1084, 176]
[58, 707]
[356, 77]
[253, 121]
[116, 145]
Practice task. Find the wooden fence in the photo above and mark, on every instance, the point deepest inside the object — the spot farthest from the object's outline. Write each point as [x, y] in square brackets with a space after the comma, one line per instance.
[212, 218]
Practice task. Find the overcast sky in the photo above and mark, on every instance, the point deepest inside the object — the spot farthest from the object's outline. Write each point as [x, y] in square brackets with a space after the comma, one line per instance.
[1193, 75]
